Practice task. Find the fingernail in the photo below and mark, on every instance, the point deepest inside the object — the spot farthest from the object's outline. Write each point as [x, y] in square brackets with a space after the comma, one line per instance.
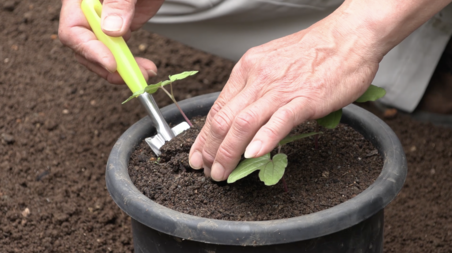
[252, 149]
[217, 172]
[112, 23]
[195, 160]
[151, 72]
[109, 70]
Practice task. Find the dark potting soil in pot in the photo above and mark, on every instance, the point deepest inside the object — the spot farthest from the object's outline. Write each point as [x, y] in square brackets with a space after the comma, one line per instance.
[343, 165]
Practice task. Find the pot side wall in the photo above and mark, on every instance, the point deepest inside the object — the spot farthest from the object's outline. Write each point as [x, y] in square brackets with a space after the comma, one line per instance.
[361, 217]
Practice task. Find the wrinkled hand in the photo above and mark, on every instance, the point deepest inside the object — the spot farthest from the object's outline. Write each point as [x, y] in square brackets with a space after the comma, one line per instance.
[277, 86]
[119, 18]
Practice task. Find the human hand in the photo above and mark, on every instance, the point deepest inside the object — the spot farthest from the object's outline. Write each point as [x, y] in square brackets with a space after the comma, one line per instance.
[279, 85]
[119, 18]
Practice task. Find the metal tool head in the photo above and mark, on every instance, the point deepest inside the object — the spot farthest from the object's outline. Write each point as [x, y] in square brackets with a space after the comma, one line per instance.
[157, 141]
[130, 72]
[164, 132]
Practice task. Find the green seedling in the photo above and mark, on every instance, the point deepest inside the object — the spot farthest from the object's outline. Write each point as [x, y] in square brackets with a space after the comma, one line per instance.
[157, 161]
[331, 120]
[271, 170]
[153, 88]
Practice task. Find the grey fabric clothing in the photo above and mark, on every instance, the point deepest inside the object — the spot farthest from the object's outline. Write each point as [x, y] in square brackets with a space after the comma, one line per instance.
[228, 28]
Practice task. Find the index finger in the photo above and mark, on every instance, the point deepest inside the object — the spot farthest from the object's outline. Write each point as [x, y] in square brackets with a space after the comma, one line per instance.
[234, 86]
[74, 31]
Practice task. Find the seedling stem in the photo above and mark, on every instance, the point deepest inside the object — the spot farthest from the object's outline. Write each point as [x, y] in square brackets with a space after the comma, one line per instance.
[171, 96]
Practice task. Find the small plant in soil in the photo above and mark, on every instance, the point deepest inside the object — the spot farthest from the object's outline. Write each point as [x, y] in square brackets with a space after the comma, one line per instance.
[271, 170]
[153, 88]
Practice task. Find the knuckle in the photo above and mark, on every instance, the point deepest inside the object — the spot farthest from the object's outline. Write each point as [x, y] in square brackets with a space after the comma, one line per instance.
[215, 109]
[118, 4]
[270, 133]
[250, 58]
[310, 111]
[103, 58]
[80, 49]
[207, 157]
[245, 120]
[310, 106]
[226, 152]
[219, 125]
[284, 116]
[201, 137]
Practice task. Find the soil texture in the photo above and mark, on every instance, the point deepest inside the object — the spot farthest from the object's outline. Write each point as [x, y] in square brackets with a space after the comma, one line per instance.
[419, 219]
[58, 123]
[342, 165]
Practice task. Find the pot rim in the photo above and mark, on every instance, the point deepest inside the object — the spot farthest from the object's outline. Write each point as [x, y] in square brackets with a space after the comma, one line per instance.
[331, 220]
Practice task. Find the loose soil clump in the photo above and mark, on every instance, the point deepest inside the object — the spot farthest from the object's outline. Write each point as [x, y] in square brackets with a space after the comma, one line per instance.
[344, 165]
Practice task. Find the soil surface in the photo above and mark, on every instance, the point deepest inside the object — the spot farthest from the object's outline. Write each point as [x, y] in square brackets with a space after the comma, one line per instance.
[420, 218]
[58, 123]
[343, 165]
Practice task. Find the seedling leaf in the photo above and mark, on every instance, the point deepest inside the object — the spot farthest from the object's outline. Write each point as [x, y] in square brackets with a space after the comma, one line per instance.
[247, 167]
[296, 137]
[182, 75]
[137, 93]
[331, 120]
[152, 88]
[372, 93]
[166, 82]
[273, 171]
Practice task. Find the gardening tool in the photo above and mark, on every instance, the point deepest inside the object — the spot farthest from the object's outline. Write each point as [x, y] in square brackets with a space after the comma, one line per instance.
[128, 68]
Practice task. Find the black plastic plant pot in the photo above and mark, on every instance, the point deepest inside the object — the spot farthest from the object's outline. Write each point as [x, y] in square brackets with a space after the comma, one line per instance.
[353, 226]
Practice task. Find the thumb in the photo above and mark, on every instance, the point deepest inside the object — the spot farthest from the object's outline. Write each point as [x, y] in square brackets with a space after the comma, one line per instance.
[117, 16]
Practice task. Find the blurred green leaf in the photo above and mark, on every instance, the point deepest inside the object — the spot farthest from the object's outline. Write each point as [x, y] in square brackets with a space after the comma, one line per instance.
[137, 93]
[331, 120]
[247, 167]
[152, 88]
[164, 83]
[273, 171]
[372, 93]
[297, 137]
[182, 75]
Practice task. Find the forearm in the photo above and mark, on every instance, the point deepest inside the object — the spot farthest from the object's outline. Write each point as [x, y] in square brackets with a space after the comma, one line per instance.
[382, 24]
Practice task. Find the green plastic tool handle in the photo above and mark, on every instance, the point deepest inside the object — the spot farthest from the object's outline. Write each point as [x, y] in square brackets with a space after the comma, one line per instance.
[127, 67]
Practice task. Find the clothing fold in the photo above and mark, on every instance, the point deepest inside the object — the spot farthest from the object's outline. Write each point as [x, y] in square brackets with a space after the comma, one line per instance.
[228, 28]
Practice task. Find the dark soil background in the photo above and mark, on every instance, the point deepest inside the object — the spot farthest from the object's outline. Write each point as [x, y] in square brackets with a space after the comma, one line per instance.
[58, 123]
[343, 165]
